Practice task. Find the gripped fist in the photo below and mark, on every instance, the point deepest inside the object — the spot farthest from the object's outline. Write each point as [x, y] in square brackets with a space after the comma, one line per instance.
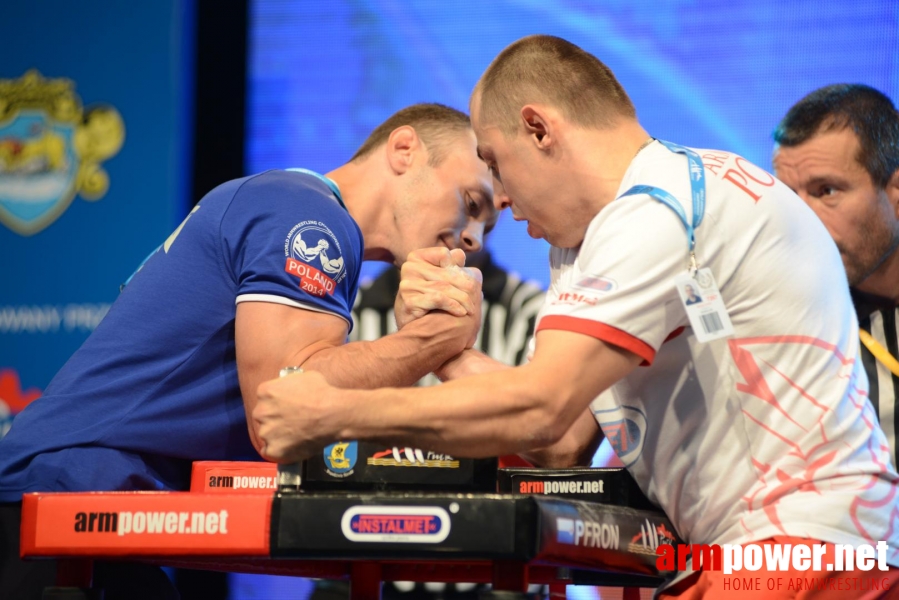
[291, 413]
[436, 279]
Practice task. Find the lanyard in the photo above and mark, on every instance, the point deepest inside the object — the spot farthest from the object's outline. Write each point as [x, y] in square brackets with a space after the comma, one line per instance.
[328, 182]
[880, 353]
[697, 189]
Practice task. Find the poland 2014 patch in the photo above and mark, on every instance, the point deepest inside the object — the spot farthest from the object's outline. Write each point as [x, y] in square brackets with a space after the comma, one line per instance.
[314, 256]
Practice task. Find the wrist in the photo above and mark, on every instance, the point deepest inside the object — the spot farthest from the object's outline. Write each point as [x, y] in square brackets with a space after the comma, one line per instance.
[467, 363]
[447, 334]
[455, 367]
[352, 419]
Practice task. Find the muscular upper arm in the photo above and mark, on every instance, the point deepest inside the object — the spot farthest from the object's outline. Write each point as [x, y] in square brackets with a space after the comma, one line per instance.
[270, 336]
[573, 369]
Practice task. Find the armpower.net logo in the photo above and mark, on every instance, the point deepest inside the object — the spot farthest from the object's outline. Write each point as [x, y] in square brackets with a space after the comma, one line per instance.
[153, 522]
[243, 482]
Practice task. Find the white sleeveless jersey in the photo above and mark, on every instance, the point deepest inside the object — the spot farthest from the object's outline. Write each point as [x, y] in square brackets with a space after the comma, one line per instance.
[767, 432]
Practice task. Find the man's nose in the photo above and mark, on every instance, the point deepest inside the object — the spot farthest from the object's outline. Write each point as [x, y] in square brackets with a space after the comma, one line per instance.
[472, 238]
[501, 199]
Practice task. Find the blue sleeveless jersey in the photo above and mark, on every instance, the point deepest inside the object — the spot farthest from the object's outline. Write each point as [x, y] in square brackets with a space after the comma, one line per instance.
[155, 386]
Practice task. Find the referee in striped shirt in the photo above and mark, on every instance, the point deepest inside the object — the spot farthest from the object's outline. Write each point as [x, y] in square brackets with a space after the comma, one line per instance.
[838, 148]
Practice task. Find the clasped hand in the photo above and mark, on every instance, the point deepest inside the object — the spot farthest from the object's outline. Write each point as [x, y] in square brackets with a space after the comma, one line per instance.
[297, 415]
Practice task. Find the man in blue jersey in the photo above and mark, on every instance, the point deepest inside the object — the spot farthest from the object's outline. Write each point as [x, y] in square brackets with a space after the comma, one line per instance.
[260, 276]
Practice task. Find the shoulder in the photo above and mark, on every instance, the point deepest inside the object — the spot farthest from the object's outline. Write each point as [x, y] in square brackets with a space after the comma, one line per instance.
[260, 191]
[291, 195]
[286, 186]
[656, 164]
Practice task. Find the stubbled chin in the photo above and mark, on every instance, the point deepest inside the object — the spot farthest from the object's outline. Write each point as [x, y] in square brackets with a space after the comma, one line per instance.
[854, 273]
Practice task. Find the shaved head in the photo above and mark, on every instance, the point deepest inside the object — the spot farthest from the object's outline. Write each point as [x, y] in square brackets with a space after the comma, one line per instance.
[549, 70]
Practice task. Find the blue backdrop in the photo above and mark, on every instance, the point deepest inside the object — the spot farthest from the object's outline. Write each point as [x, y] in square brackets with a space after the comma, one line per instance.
[705, 73]
[321, 75]
[93, 166]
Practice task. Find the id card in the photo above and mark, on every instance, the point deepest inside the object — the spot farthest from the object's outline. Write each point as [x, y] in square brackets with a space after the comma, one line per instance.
[705, 308]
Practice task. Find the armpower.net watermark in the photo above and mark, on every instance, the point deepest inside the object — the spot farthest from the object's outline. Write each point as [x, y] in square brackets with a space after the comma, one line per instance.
[804, 567]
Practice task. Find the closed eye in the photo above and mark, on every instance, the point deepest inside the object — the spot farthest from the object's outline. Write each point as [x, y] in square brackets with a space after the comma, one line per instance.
[474, 205]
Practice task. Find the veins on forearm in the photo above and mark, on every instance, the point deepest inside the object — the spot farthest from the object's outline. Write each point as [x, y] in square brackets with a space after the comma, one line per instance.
[486, 415]
[399, 359]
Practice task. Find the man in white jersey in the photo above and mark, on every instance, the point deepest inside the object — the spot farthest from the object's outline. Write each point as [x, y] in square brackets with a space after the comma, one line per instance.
[744, 416]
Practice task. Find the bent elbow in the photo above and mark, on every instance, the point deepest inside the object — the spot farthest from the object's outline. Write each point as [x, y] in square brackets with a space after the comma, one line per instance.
[557, 432]
[548, 425]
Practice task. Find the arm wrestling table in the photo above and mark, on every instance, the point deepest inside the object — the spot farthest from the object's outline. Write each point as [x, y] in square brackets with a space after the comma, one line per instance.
[235, 519]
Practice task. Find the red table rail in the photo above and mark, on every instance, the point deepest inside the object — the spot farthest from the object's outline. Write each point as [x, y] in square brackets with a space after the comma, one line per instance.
[509, 541]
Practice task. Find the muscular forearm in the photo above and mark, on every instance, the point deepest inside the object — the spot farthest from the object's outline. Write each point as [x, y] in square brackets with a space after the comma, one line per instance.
[399, 359]
[577, 446]
[509, 411]
[504, 412]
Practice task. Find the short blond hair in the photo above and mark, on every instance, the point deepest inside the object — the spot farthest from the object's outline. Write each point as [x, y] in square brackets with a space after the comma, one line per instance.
[437, 126]
[548, 69]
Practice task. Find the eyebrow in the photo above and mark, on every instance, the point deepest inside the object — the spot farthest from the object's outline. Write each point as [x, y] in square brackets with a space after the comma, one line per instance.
[825, 179]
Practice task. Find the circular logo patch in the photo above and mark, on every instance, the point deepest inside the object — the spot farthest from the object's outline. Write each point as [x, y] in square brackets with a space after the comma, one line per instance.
[625, 428]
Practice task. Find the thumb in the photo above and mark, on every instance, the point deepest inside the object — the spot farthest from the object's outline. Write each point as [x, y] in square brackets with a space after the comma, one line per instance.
[437, 256]
[474, 273]
[458, 257]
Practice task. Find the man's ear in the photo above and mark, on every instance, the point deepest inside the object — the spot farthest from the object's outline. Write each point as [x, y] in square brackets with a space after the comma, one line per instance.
[892, 190]
[537, 125]
[402, 146]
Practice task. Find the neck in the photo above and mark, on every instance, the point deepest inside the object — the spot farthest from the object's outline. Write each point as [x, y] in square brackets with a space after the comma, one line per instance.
[609, 153]
[884, 282]
[365, 193]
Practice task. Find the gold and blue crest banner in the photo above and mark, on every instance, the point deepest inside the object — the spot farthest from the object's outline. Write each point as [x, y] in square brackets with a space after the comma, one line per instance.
[94, 166]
